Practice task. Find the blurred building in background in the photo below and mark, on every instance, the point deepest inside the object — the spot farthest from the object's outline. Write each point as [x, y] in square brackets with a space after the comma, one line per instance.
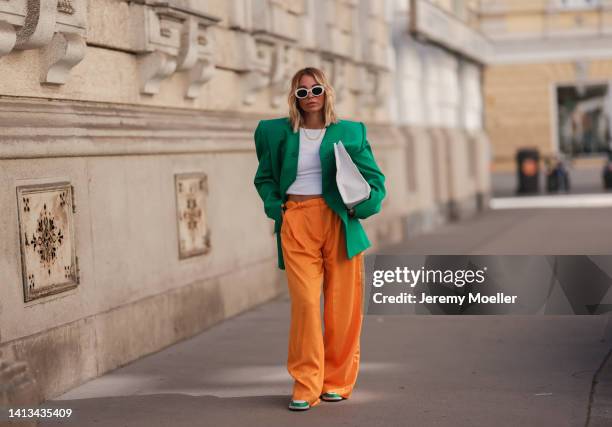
[547, 83]
[129, 216]
[438, 106]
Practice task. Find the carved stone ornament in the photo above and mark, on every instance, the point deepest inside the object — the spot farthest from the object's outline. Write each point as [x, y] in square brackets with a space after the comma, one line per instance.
[372, 92]
[259, 59]
[170, 38]
[57, 28]
[269, 64]
[265, 41]
[46, 226]
[193, 232]
[57, 58]
[65, 6]
[282, 67]
[335, 68]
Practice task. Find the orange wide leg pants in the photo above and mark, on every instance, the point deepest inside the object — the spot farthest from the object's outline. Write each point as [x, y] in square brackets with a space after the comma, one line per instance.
[314, 252]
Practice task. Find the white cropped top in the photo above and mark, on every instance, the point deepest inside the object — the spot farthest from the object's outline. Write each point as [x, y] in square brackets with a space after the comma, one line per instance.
[308, 179]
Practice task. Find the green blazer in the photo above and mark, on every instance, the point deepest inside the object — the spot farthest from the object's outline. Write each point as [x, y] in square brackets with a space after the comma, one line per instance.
[277, 148]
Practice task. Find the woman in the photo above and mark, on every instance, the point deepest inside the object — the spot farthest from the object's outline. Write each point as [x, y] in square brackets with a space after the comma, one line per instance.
[319, 240]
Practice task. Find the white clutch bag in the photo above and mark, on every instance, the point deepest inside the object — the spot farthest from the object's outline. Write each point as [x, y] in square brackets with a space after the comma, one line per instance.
[351, 184]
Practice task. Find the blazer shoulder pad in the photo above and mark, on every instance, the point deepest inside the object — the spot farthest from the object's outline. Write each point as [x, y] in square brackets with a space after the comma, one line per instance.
[352, 128]
[350, 123]
[274, 127]
[273, 123]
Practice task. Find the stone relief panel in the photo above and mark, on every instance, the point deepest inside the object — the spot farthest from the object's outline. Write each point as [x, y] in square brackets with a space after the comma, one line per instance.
[171, 38]
[46, 226]
[193, 232]
[57, 28]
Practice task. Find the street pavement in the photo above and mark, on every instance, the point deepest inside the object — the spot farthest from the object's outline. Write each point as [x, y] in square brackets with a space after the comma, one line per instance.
[415, 370]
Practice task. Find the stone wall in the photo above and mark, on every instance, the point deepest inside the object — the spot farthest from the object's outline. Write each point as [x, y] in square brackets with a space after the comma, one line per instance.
[214, 55]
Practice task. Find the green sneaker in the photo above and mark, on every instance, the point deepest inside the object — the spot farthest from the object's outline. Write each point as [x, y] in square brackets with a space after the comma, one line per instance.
[331, 396]
[299, 405]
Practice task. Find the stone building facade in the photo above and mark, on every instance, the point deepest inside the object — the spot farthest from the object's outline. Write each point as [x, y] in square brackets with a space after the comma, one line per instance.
[547, 83]
[438, 106]
[129, 217]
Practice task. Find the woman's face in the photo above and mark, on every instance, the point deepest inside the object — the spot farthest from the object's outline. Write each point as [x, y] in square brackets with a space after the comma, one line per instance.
[310, 104]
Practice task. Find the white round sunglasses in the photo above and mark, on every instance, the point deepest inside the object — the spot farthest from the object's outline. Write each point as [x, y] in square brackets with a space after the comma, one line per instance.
[302, 92]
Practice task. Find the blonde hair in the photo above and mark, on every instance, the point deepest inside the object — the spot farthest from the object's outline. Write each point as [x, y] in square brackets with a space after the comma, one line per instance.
[295, 112]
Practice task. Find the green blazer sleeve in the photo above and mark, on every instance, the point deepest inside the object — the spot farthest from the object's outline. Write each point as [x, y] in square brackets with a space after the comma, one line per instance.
[265, 183]
[364, 159]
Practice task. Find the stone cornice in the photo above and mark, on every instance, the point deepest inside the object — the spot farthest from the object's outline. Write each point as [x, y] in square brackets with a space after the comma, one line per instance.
[43, 129]
[536, 49]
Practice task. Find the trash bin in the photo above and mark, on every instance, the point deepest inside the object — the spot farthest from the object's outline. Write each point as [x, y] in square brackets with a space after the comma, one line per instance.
[528, 170]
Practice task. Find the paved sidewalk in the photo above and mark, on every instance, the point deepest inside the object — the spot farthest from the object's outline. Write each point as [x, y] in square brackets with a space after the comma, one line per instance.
[415, 370]
[545, 231]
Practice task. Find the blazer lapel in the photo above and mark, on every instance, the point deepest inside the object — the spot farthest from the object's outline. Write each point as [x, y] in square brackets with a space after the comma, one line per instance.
[326, 151]
[290, 159]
